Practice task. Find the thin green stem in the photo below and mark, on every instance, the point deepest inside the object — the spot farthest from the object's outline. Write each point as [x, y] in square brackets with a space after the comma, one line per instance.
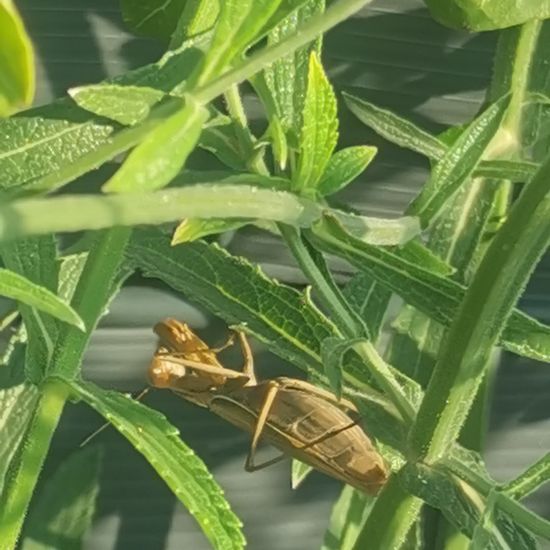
[347, 321]
[385, 379]
[328, 293]
[536, 475]
[520, 74]
[519, 513]
[244, 135]
[493, 292]
[93, 291]
[390, 519]
[22, 481]
[336, 13]
[67, 213]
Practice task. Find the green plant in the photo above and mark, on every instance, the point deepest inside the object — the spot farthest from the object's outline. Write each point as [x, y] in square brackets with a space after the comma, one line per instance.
[460, 280]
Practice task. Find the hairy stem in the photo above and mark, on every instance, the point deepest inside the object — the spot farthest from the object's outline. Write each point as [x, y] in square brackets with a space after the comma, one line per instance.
[22, 480]
[493, 292]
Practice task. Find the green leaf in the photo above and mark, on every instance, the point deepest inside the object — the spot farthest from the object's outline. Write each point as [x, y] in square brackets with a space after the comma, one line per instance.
[197, 17]
[192, 229]
[333, 350]
[162, 154]
[458, 163]
[436, 296]
[153, 18]
[348, 516]
[285, 81]
[36, 259]
[17, 287]
[65, 507]
[186, 475]
[485, 15]
[531, 479]
[395, 129]
[221, 140]
[498, 532]
[369, 299]
[459, 236]
[379, 231]
[54, 137]
[404, 133]
[238, 292]
[127, 105]
[17, 403]
[344, 166]
[417, 253]
[70, 141]
[462, 508]
[319, 132]
[238, 25]
[299, 472]
[16, 61]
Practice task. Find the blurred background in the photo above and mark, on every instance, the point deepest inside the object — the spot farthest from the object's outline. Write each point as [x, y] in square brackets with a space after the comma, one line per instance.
[392, 53]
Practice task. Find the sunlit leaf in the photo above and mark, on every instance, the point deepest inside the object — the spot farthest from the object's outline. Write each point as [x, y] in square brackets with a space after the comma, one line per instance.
[16, 61]
[319, 130]
[186, 475]
[162, 154]
[344, 166]
[484, 15]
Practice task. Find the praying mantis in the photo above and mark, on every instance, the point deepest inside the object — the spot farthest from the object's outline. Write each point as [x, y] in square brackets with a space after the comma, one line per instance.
[300, 419]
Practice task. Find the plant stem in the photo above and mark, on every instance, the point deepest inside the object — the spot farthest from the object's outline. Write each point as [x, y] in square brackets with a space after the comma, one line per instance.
[493, 292]
[336, 13]
[328, 292]
[513, 64]
[22, 481]
[531, 479]
[235, 107]
[519, 513]
[81, 212]
[391, 518]
[92, 293]
[347, 321]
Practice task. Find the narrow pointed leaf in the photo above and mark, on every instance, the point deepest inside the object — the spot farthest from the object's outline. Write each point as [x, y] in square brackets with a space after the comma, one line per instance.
[19, 288]
[458, 163]
[405, 133]
[437, 296]
[192, 229]
[299, 473]
[344, 166]
[346, 520]
[286, 79]
[238, 25]
[319, 132]
[186, 475]
[158, 159]
[127, 105]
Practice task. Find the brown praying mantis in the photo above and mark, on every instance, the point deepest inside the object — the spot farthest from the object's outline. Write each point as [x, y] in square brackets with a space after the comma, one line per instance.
[300, 419]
